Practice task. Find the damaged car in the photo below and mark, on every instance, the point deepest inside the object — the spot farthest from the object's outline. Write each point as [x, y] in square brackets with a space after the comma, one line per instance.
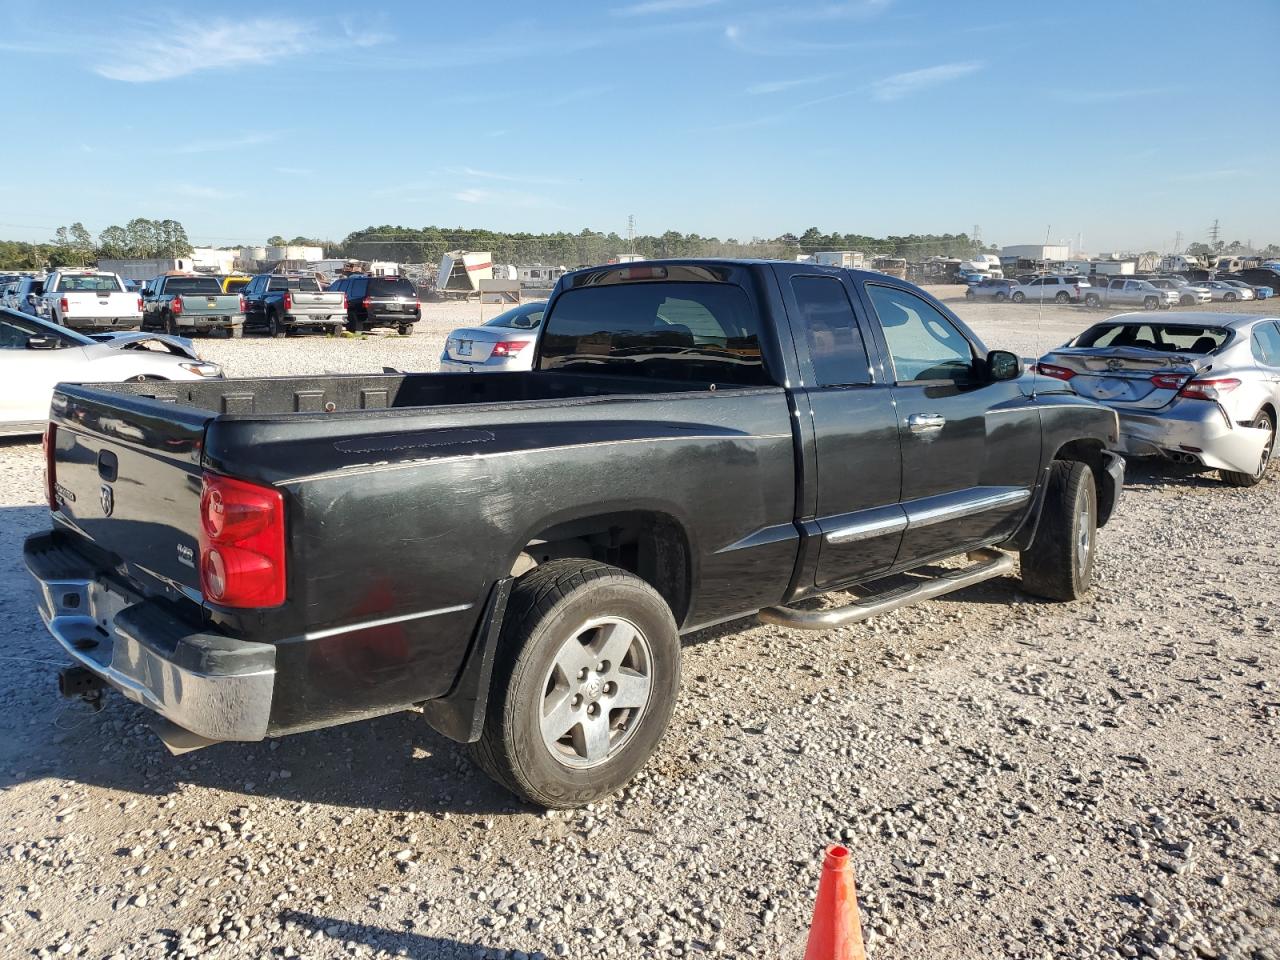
[1200, 389]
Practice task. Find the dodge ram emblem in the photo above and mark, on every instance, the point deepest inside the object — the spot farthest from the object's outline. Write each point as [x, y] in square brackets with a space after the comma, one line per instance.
[107, 498]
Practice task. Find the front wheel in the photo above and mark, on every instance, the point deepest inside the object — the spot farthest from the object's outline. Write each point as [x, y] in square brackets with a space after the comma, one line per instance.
[1262, 421]
[1230, 298]
[1186, 301]
[1059, 563]
[584, 681]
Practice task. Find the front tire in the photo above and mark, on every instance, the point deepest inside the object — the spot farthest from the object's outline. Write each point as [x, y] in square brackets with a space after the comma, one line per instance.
[1232, 478]
[1187, 301]
[584, 682]
[1230, 298]
[1059, 563]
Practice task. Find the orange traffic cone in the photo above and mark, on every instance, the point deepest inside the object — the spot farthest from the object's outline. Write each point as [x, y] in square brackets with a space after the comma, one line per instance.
[836, 933]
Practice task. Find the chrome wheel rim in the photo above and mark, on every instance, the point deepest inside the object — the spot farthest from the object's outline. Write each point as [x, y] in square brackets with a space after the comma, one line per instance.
[1084, 537]
[1264, 423]
[596, 691]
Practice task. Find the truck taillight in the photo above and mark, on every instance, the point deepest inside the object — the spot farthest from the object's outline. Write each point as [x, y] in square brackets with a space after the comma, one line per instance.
[242, 562]
[344, 300]
[139, 304]
[175, 307]
[366, 302]
[49, 443]
[64, 305]
[242, 303]
[288, 301]
[1209, 389]
[417, 307]
[1055, 371]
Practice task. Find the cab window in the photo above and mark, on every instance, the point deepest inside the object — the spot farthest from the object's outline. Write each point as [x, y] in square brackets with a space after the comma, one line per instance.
[924, 344]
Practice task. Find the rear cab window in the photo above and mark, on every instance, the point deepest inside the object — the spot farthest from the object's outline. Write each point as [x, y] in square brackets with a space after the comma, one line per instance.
[659, 328]
[207, 285]
[390, 287]
[89, 283]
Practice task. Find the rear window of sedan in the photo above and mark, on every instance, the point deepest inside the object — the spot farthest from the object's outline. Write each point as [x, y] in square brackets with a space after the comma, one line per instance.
[521, 318]
[1174, 338]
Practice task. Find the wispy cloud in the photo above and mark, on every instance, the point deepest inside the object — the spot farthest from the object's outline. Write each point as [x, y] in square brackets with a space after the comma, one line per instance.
[901, 85]
[504, 177]
[650, 7]
[366, 32]
[777, 86]
[226, 143]
[1196, 176]
[148, 52]
[760, 33]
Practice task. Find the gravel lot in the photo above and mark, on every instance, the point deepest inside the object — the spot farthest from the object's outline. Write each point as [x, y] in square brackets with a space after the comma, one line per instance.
[1015, 778]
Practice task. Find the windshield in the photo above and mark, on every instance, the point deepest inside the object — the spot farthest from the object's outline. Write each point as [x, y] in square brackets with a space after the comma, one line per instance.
[208, 285]
[391, 287]
[1170, 337]
[89, 283]
[526, 317]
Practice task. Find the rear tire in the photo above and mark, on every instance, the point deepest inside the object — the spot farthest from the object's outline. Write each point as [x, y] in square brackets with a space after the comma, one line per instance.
[1000, 297]
[547, 629]
[1092, 300]
[170, 324]
[236, 332]
[1230, 298]
[1063, 297]
[1232, 478]
[406, 330]
[1059, 563]
[275, 325]
[1186, 301]
[1150, 303]
[1019, 297]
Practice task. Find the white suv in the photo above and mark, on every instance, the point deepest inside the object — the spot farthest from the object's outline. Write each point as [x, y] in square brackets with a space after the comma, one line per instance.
[1057, 289]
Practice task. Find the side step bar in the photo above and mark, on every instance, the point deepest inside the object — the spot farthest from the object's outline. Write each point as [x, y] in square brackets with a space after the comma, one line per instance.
[986, 564]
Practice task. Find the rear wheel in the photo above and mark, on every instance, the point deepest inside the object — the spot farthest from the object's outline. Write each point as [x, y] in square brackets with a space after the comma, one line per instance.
[1063, 297]
[1262, 421]
[406, 329]
[236, 332]
[584, 681]
[969, 295]
[353, 323]
[1092, 300]
[1018, 297]
[171, 324]
[1230, 298]
[1150, 303]
[1186, 301]
[1059, 563]
[1001, 296]
[275, 325]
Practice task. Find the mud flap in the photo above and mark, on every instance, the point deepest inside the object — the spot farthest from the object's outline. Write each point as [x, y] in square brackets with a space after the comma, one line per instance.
[1239, 451]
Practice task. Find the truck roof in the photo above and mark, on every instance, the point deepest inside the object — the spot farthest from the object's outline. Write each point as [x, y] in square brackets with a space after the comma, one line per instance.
[574, 277]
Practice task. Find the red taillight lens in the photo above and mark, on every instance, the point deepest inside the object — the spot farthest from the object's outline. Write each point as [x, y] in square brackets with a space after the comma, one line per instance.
[1054, 371]
[242, 561]
[1209, 389]
[49, 444]
[344, 299]
[417, 307]
[139, 304]
[509, 348]
[1168, 381]
[288, 300]
[242, 303]
[175, 306]
[366, 302]
[65, 305]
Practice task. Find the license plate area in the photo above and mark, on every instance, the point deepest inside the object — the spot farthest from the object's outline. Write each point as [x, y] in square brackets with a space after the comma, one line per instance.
[464, 348]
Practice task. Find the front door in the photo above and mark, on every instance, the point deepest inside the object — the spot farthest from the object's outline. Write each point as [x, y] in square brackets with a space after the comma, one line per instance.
[856, 511]
[970, 445]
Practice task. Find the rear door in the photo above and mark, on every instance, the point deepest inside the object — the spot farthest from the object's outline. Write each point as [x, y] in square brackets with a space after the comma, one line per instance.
[970, 446]
[850, 404]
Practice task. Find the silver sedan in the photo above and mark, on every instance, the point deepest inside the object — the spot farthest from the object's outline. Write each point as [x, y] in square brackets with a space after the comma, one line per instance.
[1222, 290]
[36, 355]
[1201, 389]
[504, 343]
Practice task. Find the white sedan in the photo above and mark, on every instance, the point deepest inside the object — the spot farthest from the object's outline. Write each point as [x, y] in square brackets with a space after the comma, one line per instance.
[1223, 290]
[36, 355]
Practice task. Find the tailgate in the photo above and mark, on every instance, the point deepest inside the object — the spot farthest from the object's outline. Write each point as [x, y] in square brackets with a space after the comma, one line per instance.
[127, 473]
[304, 302]
[112, 304]
[210, 304]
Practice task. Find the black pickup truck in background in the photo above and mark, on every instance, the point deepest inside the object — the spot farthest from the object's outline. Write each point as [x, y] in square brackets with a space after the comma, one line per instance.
[518, 553]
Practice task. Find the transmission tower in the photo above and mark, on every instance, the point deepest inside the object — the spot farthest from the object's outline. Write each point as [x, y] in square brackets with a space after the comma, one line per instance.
[1213, 235]
[977, 237]
[1177, 242]
[631, 232]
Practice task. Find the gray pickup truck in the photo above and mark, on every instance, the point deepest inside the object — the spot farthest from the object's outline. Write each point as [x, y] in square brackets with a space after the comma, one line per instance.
[282, 305]
[191, 304]
[1130, 292]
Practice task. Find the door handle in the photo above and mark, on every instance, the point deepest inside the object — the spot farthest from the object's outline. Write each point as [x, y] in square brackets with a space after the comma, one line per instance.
[926, 422]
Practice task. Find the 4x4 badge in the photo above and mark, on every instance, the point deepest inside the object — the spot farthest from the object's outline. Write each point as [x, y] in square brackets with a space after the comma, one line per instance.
[107, 499]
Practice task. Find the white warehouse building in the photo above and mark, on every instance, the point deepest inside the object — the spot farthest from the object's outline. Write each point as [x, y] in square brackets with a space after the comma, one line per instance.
[1036, 251]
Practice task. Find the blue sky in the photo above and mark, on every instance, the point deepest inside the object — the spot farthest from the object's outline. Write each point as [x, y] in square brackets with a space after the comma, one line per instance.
[1123, 123]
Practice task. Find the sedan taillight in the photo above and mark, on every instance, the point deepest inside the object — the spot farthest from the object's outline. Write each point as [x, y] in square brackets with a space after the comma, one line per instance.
[1209, 389]
[509, 348]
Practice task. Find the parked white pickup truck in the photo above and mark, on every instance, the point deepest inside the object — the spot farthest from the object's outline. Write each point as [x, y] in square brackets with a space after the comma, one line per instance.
[1128, 291]
[90, 300]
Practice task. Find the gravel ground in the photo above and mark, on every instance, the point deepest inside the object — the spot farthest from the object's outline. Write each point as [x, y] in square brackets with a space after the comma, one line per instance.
[1015, 778]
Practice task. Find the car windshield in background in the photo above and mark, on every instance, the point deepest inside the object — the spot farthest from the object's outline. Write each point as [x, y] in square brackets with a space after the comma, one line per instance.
[1172, 337]
[207, 285]
[88, 284]
[390, 287]
[678, 331]
[521, 318]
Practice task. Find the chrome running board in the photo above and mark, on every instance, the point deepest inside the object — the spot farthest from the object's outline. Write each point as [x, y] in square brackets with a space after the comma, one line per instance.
[986, 564]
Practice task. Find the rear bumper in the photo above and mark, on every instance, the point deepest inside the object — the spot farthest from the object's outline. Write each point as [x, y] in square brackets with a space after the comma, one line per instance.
[316, 320]
[1196, 429]
[103, 323]
[215, 686]
[492, 365]
[210, 323]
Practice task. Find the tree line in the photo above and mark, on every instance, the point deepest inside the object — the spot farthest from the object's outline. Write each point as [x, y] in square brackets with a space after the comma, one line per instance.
[74, 246]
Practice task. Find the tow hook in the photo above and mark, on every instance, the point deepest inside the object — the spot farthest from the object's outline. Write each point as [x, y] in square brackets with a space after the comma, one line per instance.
[82, 683]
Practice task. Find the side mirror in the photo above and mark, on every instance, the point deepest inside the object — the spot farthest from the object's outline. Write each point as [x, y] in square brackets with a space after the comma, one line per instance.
[1003, 365]
[41, 343]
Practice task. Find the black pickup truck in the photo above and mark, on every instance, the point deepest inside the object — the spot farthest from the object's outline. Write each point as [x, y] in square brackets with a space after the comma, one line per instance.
[518, 553]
